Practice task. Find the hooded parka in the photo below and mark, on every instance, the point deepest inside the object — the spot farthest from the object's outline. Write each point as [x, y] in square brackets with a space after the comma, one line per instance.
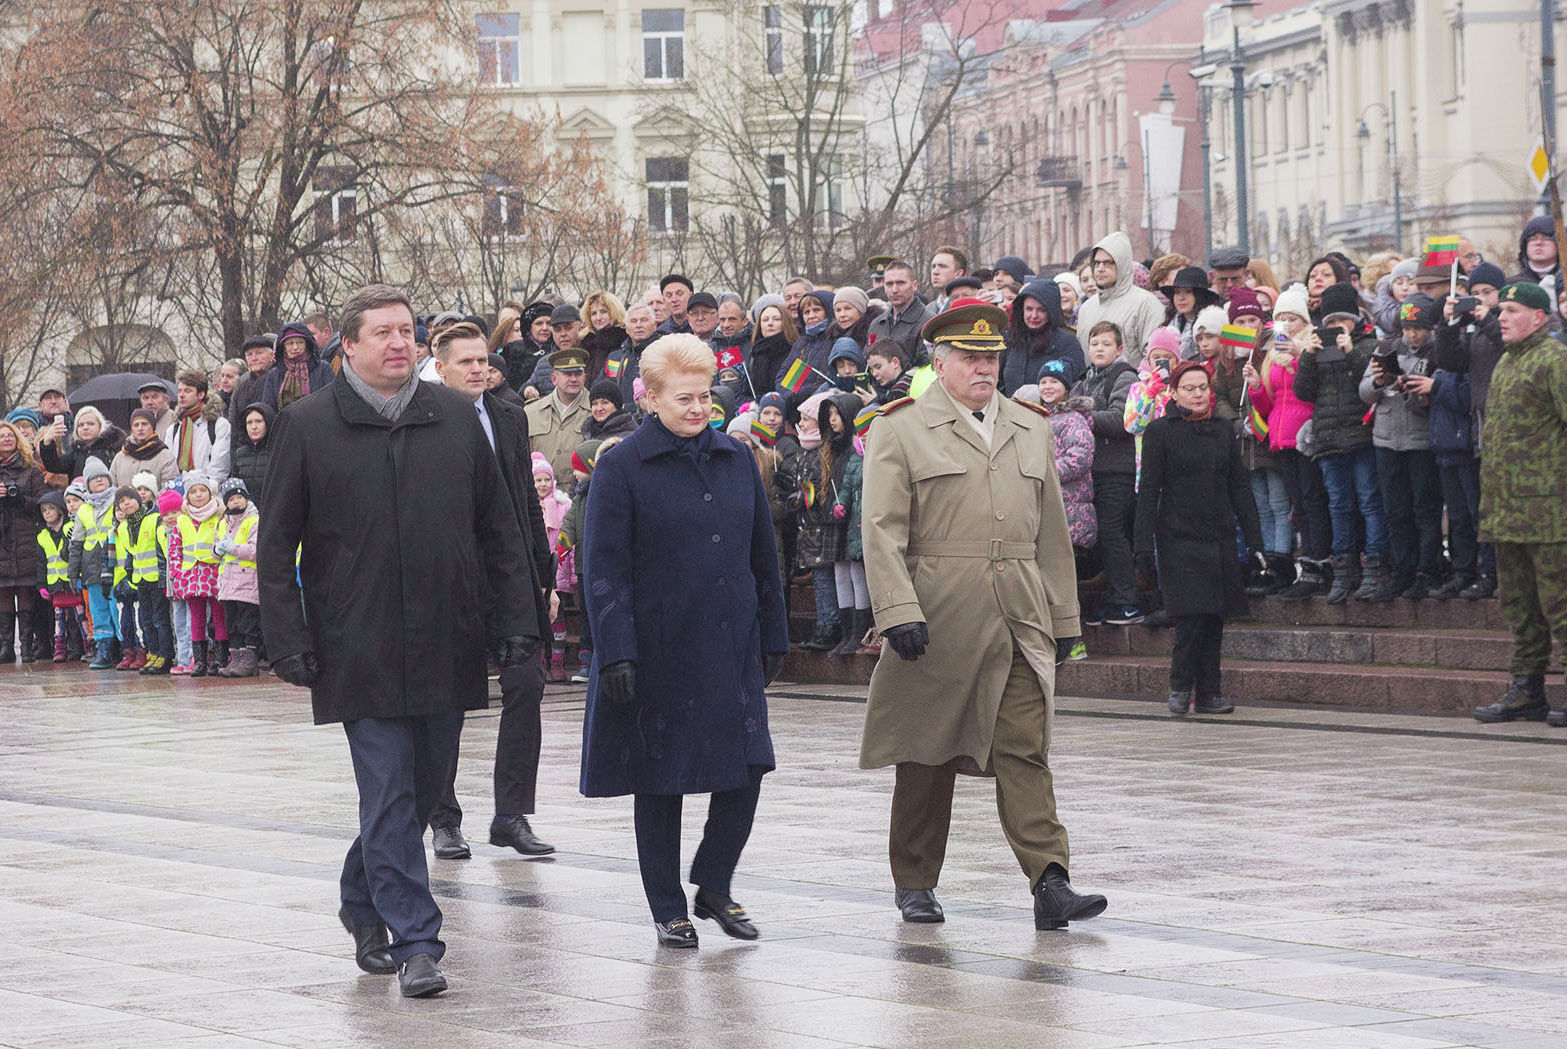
[1029, 348]
[1135, 310]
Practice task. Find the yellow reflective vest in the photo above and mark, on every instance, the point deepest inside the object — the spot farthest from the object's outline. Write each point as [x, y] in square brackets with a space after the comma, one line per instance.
[244, 535]
[196, 540]
[138, 554]
[56, 548]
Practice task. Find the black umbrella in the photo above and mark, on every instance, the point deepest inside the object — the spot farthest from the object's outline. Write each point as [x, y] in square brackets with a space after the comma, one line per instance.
[114, 395]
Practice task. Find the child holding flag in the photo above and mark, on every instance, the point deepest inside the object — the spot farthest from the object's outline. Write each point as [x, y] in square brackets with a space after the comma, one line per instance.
[849, 509]
[838, 490]
[1244, 343]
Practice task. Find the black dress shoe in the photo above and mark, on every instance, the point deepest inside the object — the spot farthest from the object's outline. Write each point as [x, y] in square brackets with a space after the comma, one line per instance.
[729, 915]
[449, 843]
[419, 978]
[919, 905]
[516, 833]
[370, 945]
[1056, 902]
[678, 933]
[1213, 705]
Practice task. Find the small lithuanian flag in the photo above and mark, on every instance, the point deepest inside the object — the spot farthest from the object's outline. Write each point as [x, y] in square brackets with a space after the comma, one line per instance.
[612, 369]
[794, 378]
[764, 433]
[1238, 336]
[862, 422]
[1441, 251]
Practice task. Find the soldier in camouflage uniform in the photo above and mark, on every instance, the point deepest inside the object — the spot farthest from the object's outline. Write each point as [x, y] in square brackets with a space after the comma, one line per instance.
[1523, 497]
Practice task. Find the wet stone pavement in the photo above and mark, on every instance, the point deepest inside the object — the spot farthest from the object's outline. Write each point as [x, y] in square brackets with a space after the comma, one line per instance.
[1280, 879]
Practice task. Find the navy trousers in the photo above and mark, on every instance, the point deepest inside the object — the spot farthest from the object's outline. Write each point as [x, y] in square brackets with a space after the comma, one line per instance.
[657, 818]
[401, 765]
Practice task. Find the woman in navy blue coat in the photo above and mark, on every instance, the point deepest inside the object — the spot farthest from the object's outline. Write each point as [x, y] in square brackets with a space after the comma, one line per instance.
[684, 596]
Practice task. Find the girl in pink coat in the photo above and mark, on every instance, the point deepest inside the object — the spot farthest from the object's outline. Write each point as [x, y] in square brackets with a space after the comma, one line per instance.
[554, 503]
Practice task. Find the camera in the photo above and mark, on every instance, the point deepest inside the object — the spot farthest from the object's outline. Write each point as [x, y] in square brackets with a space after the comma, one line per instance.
[1386, 357]
[10, 491]
[1465, 304]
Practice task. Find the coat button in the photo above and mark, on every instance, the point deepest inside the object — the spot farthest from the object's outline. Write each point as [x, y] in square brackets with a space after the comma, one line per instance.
[1001, 566]
[707, 497]
[717, 539]
[721, 580]
[723, 624]
[994, 467]
[1000, 516]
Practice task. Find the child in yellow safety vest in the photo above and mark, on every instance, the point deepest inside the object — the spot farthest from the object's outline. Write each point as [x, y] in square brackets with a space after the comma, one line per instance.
[237, 584]
[143, 545]
[128, 513]
[201, 525]
[54, 577]
[91, 567]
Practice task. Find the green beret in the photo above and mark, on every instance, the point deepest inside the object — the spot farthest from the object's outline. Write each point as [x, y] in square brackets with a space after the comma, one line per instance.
[1527, 294]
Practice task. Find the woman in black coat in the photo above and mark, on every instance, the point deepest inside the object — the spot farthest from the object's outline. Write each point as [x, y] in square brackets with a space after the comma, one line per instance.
[1194, 488]
[21, 486]
[1036, 335]
[251, 450]
[681, 579]
[92, 435]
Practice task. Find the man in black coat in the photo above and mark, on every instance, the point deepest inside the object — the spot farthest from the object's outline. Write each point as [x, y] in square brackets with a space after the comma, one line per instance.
[410, 560]
[463, 364]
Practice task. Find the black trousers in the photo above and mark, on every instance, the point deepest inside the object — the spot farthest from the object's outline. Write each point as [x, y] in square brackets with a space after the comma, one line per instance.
[1309, 498]
[1412, 498]
[517, 743]
[657, 818]
[1115, 501]
[401, 766]
[157, 623]
[1194, 661]
[244, 622]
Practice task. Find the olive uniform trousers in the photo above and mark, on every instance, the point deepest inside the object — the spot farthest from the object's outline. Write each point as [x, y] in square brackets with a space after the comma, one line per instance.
[1025, 793]
[1532, 580]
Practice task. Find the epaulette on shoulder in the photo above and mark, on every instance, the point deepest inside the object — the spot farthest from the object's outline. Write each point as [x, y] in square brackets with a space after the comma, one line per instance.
[893, 406]
[1034, 407]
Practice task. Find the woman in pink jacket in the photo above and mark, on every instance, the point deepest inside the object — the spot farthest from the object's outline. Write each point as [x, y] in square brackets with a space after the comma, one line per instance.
[1272, 390]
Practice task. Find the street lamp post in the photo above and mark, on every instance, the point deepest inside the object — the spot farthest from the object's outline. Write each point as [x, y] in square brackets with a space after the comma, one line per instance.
[1206, 146]
[1364, 133]
[1121, 167]
[1240, 18]
[981, 141]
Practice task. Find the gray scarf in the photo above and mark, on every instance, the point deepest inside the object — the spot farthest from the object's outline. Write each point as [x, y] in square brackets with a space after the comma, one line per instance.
[387, 407]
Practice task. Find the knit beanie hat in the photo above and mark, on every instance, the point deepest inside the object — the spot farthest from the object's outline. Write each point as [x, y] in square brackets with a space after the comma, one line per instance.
[586, 455]
[25, 415]
[772, 399]
[1244, 303]
[1417, 311]
[1484, 273]
[607, 390]
[1166, 339]
[145, 413]
[145, 480]
[1406, 268]
[770, 299]
[1292, 301]
[169, 502]
[1340, 300]
[76, 488]
[94, 468]
[1069, 278]
[1210, 321]
[194, 477]
[542, 465]
[230, 487]
[638, 388]
[854, 297]
[126, 492]
[55, 498]
[1030, 394]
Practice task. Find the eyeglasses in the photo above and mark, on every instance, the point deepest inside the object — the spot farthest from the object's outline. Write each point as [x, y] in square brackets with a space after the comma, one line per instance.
[1193, 389]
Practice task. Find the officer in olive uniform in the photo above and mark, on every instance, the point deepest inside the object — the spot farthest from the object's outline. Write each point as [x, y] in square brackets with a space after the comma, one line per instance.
[555, 420]
[877, 265]
[971, 575]
[1523, 497]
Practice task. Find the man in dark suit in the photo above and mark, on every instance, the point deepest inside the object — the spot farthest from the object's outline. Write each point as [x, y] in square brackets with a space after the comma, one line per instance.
[463, 364]
[410, 564]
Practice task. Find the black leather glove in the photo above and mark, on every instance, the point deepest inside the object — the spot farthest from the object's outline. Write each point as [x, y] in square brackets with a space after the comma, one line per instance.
[772, 666]
[618, 682]
[1147, 568]
[513, 651]
[299, 669]
[908, 639]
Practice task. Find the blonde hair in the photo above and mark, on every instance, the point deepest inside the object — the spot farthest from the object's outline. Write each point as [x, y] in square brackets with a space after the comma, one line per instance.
[607, 299]
[89, 412]
[676, 354]
[22, 444]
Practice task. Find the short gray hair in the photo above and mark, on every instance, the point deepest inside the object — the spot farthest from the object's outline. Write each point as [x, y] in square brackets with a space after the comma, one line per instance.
[370, 297]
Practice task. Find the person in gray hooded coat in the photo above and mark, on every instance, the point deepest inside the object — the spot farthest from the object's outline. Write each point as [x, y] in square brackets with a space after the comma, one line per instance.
[1136, 311]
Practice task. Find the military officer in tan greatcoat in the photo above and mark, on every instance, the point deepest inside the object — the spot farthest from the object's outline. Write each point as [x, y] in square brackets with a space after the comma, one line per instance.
[972, 581]
[555, 421]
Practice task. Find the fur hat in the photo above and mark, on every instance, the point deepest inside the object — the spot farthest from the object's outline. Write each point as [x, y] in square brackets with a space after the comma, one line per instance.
[145, 479]
[1210, 321]
[1292, 301]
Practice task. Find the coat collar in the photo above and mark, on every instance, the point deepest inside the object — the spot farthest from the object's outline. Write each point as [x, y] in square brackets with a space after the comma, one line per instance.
[653, 440]
[941, 410]
[425, 407]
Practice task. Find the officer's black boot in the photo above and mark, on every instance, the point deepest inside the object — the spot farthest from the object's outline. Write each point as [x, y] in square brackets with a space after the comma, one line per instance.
[1056, 902]
[1525, 700]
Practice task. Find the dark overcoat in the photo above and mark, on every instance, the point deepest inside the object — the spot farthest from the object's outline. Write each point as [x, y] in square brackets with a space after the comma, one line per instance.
[19, 525]
[510, 424]
[681, 577]
[1194, 489]
[410, 553]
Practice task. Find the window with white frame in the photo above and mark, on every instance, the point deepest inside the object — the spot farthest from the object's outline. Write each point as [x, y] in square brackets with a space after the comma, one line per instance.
[829, 194]
[818, 40]
[668, 194]
[664, 43]
[503, 210]
[500, 49]
[335, 202]
[777, 190]
[772, 29]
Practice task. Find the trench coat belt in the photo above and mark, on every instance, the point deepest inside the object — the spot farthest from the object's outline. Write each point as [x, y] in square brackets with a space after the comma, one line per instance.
[992, 550]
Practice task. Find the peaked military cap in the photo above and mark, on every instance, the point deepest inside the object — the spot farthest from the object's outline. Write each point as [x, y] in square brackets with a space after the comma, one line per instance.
[572, 360]
[968, 324]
